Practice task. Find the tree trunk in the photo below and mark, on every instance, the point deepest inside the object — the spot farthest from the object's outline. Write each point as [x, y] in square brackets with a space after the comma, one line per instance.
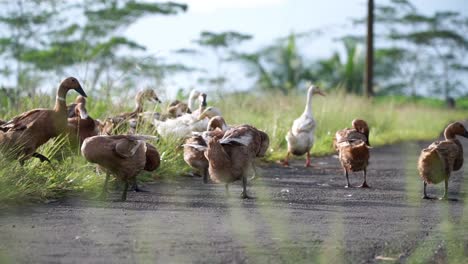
[370, 50]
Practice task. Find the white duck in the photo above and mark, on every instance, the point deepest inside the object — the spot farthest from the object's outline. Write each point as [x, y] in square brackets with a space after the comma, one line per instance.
[183, 126]
[300, 137]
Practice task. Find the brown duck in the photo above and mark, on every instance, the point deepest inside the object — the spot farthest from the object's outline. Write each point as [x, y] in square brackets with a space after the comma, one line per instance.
[353, 146]
[113, 124]
[124, 156]
[193, 154]
[232, 158]
[81, 126]
[22, 135]
[71, 107]
[437, 162]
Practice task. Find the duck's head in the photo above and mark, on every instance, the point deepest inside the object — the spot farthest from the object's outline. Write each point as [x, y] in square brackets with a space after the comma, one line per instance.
[202, 99]
[148, 94]
[362, 127]
[210, 112]
[80, 100]
[454, 129]
[71, 83]
[178, 109]
[80, 110]
[194, 94]
[217, 122]
[313, 89]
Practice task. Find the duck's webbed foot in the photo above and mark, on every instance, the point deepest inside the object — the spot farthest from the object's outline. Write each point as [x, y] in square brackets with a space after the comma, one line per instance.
[244, 195]
[135, 187]
[427, 197]
[364, 185]
[444, 198]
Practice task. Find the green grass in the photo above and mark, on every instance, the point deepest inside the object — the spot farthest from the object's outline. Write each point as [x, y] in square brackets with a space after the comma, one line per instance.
[391, 119]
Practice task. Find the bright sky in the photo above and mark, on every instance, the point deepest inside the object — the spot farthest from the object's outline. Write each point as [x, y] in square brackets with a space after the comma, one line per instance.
[266, 20]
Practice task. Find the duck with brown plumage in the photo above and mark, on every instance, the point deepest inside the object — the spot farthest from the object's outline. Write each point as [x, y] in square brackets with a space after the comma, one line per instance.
[123, 156]
[194, 155]
[437, 162]
[232, 157]
[126, 122]
[23, 134]
[81, 125]
[353, 146]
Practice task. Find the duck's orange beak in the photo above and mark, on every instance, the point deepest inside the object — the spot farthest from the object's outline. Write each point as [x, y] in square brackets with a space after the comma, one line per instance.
[318, 91]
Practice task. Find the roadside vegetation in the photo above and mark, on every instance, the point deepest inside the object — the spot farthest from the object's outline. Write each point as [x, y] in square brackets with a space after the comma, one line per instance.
[391, 120]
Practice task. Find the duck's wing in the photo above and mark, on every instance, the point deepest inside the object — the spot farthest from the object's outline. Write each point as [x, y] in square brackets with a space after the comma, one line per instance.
[243, 135]
[305, 124]
[127, 147]
[448, 150]
[349, 134]
[23, 121]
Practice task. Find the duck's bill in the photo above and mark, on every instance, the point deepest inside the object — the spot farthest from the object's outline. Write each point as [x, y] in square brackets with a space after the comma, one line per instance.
[321, 93]
[156, 100]
[81, 91]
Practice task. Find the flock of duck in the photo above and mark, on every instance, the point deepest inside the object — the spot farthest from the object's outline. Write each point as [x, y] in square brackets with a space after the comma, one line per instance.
[215, 150]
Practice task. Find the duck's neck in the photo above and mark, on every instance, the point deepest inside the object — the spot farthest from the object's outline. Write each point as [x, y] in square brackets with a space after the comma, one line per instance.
[191, 103]
[308, 106]
[449, 135]
[60, 100]
[138, 105]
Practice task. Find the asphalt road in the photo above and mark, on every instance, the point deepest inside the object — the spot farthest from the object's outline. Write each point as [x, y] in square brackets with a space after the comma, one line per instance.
[299, 215]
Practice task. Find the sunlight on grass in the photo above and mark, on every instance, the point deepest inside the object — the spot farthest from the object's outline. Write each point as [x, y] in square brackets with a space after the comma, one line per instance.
[390, 121]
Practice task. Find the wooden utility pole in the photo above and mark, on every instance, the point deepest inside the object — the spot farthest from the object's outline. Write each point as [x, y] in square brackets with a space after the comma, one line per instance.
[369, 91]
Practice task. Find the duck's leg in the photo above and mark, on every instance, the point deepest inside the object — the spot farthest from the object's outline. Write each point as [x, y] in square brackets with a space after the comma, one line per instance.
[286, 160]
[244, 188]
[135, 186]
[425, 193]
[226, 189]
[124, 194]
[445, 197]
[348, 185]
[364, 184]
[103, 194]
[307, 164]
[41, 157]
[205, 175]
[254, 172]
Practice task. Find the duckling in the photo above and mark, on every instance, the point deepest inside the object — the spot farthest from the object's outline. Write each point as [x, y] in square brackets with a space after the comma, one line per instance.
[22, 135]
[115, 123]
[82, 125]
[353, 149]
[124, 156]
[193, 154]
[300, 137]
[437, 162]
[232, 157]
